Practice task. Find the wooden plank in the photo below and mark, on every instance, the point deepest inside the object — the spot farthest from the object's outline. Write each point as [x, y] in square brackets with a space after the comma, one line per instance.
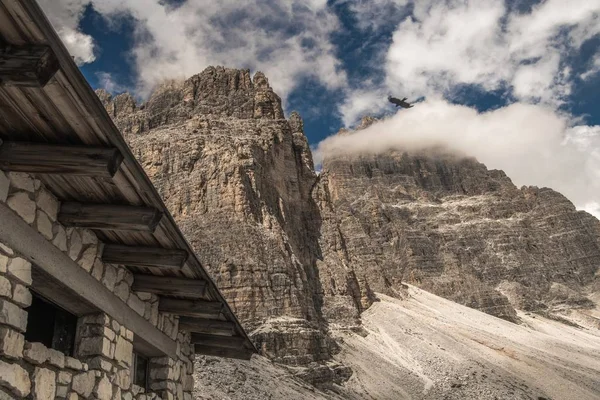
[27, 65]
[144, 256]
[59, 294]
[201, 325]
[110, 217]
[223, 352]
[169, 286]
[55, 159]
[228, 342]
[29, 243]
[190, 308]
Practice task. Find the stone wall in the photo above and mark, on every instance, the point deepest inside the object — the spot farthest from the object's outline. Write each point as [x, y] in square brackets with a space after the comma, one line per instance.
[102, 362]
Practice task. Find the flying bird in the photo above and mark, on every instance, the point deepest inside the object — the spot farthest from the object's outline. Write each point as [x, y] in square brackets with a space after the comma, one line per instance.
[399, 103]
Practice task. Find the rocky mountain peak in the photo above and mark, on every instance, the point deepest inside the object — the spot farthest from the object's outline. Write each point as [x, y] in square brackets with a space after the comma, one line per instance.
[216, 91]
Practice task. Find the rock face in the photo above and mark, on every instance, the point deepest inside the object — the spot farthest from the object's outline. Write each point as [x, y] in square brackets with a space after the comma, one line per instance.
[296, 253]
[238, 178]
[455, 228]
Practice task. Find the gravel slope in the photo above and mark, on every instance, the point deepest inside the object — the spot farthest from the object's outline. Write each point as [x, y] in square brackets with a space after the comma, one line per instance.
[426, 347]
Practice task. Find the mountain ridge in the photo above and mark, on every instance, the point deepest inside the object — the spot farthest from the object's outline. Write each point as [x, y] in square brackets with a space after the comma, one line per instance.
[298, 254]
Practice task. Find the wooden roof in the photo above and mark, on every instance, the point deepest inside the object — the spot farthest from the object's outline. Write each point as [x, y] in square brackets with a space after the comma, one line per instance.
[66, 111]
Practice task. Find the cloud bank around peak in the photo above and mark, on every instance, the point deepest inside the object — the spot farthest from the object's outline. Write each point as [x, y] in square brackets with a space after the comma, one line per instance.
[531, 143]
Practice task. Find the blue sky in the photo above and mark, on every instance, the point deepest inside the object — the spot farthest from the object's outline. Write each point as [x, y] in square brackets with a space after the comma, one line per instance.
[355, 48]
[528, 66]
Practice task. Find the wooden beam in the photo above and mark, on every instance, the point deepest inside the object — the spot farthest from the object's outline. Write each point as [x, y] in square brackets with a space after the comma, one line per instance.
[54, 159]
[29, 243]
[229, 342]
[169, 286]
[223, 352]
[144, 256]
[110, 217]
[30, 65]
[190, 308]
[201, 325]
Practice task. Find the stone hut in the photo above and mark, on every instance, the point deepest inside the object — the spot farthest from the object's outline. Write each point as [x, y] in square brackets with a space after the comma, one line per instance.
[101, 297]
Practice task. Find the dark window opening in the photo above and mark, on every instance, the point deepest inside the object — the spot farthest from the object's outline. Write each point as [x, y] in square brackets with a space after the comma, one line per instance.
[140, 370]
[50, 325]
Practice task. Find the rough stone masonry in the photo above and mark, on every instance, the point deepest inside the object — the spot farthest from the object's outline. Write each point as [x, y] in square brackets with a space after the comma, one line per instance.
[101, 367]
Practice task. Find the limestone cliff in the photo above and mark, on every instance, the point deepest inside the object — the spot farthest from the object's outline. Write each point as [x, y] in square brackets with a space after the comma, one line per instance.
[296, 253]
[238, 179]
[451, 226]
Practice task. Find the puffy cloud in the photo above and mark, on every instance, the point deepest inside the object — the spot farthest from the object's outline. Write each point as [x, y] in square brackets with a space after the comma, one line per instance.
[65, 17]
[286, 39]
[531, 143]
[446, 44]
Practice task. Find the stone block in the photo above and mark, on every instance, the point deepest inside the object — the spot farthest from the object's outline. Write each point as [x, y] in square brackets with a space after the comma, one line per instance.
[127, 396]
[64, 377]
[62, 391]
[136, 305]
[95, 346]
[110, 277]
[122, 291]
[75, 245]
[124, 351]
[6, 250]
[44, 384]
[103, 390]
[22, 181]
[4, 186]
[89, 237]
[36, 353]
[13, 315]
[124, 378]
[47, 202]
[14, 378]
[5, 287]
[44, 225]
[20, 269]
[23, 206]
[73, 363]
[188, 383]
[60, 240]
[97, 269]
[84, 383]
[87, 258]
[161, 374]
[144, 296]
[21, 295]
[56, 358]
[99, 363]
[11, 343]
[3, 263]
[72, 396]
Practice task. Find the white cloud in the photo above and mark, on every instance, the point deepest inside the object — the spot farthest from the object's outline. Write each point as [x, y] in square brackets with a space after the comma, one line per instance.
[65, 17]
[445, 44]
[286, 39]
[531, 143]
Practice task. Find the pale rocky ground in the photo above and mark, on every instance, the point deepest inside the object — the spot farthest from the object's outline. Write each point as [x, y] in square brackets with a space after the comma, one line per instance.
[427, 347]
